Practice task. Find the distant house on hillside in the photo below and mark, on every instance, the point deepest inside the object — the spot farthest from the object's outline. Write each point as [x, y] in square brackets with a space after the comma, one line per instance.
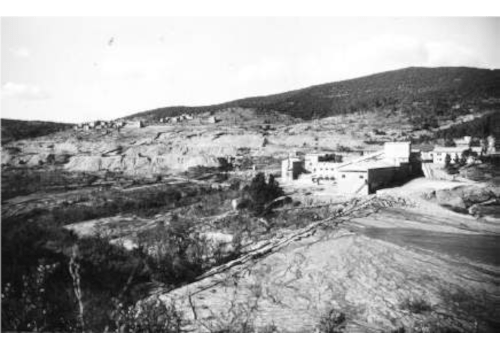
[134, 124]
[439, 154]
[463, 142]
[425, 152]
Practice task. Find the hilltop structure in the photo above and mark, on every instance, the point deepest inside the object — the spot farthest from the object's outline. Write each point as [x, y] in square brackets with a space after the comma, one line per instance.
[106, 125]
[134, 124]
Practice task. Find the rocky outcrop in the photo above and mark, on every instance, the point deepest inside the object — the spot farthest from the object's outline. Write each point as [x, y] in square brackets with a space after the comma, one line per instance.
[292, 283]
[140, 165]
[463, 197]
[450, 199]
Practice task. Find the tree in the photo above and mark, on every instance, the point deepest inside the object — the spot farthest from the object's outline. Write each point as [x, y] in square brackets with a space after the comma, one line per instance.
[224, 164]
[465, 155]
[447, 161]
[449, 143]
[261, 193]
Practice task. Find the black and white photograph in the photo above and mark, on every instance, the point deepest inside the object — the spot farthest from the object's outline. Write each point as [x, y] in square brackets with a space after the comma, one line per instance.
[260, 174]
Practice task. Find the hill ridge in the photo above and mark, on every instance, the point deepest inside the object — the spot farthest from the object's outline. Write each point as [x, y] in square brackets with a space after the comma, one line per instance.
[411, 90]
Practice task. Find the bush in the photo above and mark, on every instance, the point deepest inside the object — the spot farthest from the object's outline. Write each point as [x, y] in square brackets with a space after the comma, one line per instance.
[342, 148]
[261, 193]
[39, 301]
[416, 306]
[175, 253]
[449, 143]
[151, 317]
[332, 321]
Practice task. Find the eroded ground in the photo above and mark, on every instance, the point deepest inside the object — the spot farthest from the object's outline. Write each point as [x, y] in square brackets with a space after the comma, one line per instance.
[387, 269]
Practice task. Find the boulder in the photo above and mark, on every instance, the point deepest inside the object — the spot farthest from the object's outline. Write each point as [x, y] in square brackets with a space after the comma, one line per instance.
[62, 158]
[450, 198]
[474, 194]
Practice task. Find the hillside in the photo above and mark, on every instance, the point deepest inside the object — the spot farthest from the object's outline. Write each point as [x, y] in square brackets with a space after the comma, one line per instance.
[161, 228]
[13, 130]
[421, 93]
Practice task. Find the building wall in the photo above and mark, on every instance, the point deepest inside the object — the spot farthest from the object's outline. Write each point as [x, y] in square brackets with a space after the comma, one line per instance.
[371, 180]
[399, 152]
[325, 170]
[353, 182]
[439, 157]
[379, 178]
[137, 124]
[426, 156]
[297, 168]
[291, 169]
[311, 160]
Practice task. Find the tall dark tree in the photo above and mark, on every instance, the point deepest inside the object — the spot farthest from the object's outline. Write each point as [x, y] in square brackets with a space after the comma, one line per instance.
[447, 161]
[261, 193]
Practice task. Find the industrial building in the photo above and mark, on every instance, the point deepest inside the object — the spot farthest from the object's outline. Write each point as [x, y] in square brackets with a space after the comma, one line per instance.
[322, 165]
[365, 175]
[380, 170]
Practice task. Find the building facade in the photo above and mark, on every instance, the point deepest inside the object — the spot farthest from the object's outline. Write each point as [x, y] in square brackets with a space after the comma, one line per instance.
[438, 155]
[397, 152]
[381, 170]
[322, 165]
[291, 169]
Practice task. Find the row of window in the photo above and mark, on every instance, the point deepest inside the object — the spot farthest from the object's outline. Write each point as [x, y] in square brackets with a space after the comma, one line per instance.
[322, 169]
[360, 176]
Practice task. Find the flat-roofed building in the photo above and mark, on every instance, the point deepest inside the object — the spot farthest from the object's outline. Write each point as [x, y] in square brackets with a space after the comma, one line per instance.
[370, 173]
[322, 165]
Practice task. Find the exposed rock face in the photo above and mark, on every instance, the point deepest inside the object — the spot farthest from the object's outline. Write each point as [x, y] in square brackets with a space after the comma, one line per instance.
[463, 197]
[159, 148]
[140, 165]
[368, 279]
[378, 285]
[451, 199]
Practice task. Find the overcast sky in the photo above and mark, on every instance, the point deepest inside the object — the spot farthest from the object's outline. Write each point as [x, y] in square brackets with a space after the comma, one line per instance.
[81, 69]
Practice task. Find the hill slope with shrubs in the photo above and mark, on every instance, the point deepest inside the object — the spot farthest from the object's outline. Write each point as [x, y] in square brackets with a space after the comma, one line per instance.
[420, 92]
[13, 130]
